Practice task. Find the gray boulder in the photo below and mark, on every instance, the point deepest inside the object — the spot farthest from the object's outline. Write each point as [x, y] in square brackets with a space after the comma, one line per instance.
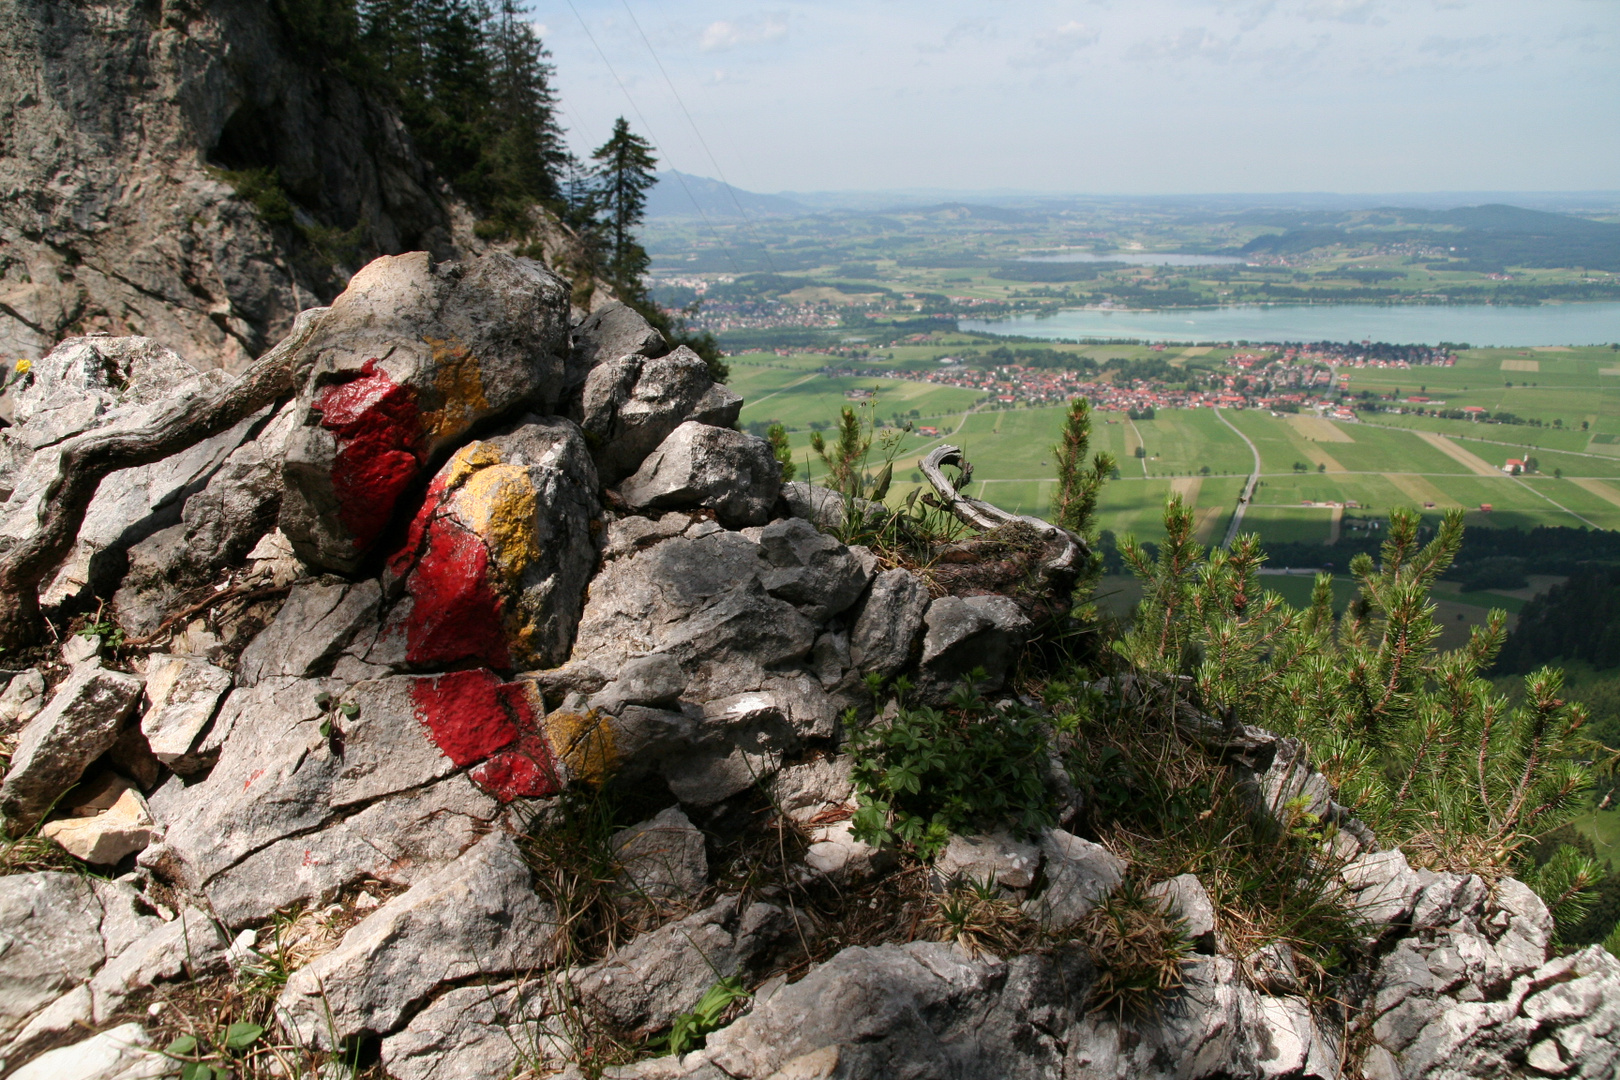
[23, 698]
[477, 917]
[662, 858]
[182, 694]
[967, 633]
[888, 631]
[81, 723]
[120, 1053]
[612, 332]
[632, 403]
[398, 839]
[702, 466]
[410, 357]
[993, 860]
[50, 924]
[811, 570]
[1079, 875]
[317, 620]
[1184, 897]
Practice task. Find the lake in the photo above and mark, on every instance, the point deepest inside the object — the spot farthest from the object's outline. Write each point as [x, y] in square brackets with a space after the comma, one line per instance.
[1477, 324]
[1159, 258]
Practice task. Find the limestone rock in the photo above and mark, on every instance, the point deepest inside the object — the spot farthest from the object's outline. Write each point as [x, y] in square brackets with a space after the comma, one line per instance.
[50, 924]
[398, 839]
[86, 382]
[480, 1032]
[189, 944]
[886, 635]
[715, 468]
[661, 974]
[964, 634]
[612, 332]
[311, 629]
[23, 698]
[662, 858]
[1385, 888]
[479, 916]
[408, 359]
[802, 791]
[120, 1053]
[812, 571]
[1079, 874]
[81, 723]
[1185, 898]
[996, 859]
[107, 837]
[496, 562]
[632, 403]
[834, 853]
[182, 694]
[825, 508]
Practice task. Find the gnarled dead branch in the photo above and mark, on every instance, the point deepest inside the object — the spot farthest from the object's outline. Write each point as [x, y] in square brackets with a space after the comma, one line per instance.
[1064, 552]
[88, 459]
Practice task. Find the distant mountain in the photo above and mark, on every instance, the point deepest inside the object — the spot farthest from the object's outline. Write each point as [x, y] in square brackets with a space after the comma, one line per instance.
[679, 194]
[1478, 237]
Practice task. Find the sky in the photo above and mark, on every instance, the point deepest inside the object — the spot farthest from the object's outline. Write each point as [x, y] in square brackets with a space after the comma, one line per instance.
[1103, 97]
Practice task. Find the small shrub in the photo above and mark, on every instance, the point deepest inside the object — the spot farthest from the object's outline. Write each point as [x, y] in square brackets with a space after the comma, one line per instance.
[931, 772]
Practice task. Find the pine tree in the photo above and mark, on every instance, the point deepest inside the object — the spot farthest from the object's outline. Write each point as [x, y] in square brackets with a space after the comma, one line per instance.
[527, 155]
[624, 173]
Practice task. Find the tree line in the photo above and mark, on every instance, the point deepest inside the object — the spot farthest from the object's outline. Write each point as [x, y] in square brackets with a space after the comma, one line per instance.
[475, 86]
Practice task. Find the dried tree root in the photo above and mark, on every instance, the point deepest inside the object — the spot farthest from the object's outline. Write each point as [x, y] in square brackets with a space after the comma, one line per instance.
[1064, 552]
[89, 458]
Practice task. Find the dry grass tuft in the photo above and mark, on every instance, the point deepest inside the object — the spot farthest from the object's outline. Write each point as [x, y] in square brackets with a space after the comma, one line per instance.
[1137, 949]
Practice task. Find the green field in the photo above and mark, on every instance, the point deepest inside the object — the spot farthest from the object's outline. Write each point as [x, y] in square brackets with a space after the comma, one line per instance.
[1384, 461]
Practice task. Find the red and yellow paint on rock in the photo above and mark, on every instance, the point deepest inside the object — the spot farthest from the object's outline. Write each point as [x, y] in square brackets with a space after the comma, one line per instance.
[501, 728]
[463, 563]
[384, 432]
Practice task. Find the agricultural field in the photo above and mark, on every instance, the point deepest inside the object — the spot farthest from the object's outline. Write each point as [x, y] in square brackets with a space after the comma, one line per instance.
[1382, 461]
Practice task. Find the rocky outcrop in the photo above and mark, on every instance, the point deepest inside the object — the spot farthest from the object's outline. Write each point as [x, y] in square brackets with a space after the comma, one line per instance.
[378, 732]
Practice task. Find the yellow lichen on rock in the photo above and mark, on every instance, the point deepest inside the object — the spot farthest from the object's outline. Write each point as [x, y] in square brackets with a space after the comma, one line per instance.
[460, 386]
[584, 743]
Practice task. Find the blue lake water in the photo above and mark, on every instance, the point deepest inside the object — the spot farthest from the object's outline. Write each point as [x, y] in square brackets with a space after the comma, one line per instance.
[1160, 258]
[1479, 325]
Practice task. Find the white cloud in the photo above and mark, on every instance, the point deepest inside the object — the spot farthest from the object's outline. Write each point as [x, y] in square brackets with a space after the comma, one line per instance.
[721, 34]
[1059, 44]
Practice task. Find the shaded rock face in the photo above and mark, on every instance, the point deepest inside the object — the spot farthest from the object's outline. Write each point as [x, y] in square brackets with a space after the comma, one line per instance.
[122, 113]
[632, 403]
[408, 360]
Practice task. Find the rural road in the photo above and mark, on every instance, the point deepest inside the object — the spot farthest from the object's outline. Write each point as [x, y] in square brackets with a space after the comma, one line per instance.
[1248, 488]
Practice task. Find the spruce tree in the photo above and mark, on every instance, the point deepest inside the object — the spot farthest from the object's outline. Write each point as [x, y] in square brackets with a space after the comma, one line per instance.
[624, 173]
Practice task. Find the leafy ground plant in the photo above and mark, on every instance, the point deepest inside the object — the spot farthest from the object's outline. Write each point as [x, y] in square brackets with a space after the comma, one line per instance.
[689, 1030]
[932, 772]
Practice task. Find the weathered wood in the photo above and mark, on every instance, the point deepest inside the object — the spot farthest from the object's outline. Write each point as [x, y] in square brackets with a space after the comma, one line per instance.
[1064, 551]
[88, 459]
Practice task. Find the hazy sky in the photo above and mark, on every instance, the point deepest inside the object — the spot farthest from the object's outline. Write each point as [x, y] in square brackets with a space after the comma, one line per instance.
[1108, 96]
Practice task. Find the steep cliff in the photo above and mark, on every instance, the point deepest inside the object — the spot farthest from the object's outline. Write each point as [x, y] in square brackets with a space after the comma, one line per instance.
[193, 172]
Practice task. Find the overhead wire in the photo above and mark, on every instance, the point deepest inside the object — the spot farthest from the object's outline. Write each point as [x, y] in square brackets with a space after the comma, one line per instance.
[701, 140]
[625, 90]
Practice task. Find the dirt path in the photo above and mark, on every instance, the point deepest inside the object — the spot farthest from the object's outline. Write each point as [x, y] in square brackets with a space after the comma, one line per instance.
[1131, 449]
[1335, 520]
[1605, 491]
[1420, 490]
[1248, 488]
[1476, 464]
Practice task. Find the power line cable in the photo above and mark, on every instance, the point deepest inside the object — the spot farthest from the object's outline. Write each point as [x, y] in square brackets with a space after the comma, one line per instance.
[701, 140]
[730, 256]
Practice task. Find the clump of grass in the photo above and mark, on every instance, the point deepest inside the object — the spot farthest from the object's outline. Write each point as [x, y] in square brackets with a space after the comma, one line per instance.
[975, 915]
[1168, 808]
[1137, 949]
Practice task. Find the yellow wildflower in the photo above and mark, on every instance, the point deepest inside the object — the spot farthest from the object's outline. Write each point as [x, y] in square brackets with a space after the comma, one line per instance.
[24, 366]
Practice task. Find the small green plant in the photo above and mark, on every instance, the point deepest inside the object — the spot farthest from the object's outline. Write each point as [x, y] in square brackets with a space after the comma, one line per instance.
[217, 1058]
[691, 1029]
[931, 772]
[783, 452]
[110, 633]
